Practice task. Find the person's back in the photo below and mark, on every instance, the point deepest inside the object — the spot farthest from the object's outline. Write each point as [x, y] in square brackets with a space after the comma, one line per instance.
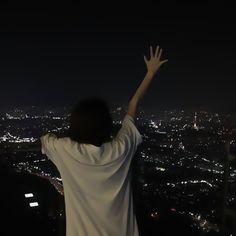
[96, 178]
[96, 182]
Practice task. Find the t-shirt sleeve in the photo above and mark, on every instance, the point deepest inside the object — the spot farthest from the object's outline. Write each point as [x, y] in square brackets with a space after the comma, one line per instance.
[49, 147]
[128, 135]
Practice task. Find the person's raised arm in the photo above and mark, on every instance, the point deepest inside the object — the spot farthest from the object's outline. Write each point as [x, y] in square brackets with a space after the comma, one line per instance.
[153, 65]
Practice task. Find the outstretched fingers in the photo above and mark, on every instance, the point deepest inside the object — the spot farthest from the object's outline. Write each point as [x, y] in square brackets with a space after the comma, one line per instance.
[156, 52]
[155, 55]
[164, 61]
[145, 59]
[159, 55]
[151, 51]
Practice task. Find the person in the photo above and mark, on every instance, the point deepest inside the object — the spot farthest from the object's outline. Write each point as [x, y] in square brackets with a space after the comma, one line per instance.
[95, 168]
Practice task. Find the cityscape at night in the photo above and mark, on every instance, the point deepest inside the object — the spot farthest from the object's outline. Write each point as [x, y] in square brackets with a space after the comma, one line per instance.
[183, 173]
[178, 170]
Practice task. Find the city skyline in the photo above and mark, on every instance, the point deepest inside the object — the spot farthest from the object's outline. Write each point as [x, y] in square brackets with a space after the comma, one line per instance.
[182, 156]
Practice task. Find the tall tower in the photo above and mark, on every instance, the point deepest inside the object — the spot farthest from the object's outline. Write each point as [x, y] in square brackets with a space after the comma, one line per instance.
[195, 122]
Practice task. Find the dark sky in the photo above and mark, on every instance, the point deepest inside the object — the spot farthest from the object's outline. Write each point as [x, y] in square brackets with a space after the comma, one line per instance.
[56, 56]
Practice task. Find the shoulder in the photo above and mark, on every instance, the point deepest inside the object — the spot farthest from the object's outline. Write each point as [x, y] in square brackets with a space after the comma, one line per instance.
[51, 141]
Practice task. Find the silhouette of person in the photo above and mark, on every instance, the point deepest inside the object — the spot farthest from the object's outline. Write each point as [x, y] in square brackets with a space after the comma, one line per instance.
[95, 167]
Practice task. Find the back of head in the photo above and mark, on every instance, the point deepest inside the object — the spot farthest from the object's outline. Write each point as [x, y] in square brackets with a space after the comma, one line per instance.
[91, 122]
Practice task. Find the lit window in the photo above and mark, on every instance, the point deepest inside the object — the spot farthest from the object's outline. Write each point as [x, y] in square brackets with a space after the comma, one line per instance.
[33, 204]
[27, 195]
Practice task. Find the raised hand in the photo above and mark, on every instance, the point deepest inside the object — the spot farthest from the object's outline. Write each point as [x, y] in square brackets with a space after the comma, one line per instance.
[153, 66]
[155, 62]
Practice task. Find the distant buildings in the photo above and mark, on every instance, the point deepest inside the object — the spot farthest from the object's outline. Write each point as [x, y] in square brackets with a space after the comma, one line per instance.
[180, 164]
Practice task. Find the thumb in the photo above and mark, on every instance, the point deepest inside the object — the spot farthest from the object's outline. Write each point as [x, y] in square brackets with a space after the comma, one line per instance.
[145, 59]
[162, 62]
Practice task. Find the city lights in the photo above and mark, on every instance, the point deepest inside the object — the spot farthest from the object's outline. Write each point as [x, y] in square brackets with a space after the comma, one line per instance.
[33, 204]
[29, 195]
[175, 152]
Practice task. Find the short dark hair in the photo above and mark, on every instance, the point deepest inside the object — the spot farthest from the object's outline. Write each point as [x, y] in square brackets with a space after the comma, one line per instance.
[91, 122]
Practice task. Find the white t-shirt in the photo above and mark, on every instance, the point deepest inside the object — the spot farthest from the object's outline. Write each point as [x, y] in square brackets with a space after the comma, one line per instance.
[96, 182]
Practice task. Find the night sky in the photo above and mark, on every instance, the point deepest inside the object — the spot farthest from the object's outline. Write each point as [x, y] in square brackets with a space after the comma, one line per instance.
[56, 56]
